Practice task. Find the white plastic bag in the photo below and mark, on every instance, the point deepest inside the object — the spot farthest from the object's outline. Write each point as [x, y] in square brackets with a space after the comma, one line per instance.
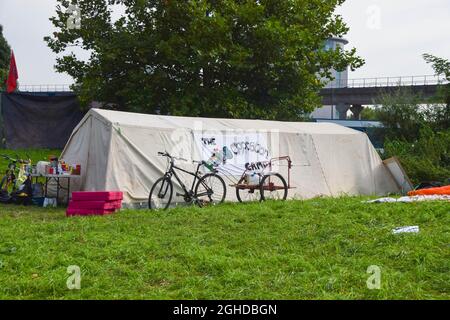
[50, 202]
[408, 229]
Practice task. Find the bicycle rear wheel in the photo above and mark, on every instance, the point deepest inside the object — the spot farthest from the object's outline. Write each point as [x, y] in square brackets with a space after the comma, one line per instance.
[210, 190]
[161, 194]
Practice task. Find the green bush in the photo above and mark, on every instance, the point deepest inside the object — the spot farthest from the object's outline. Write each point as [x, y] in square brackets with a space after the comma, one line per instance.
[428, 159]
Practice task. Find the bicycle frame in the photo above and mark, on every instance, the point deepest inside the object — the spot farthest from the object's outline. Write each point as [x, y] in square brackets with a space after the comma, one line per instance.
[171, 172]
[10, 173]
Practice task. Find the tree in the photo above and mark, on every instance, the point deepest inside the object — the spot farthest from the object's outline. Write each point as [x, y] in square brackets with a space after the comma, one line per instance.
[442, 67]
[5, 53]
[404, 115]
[418, 133]
[369, 114]
[219, 58]
[401, 115]
[414, 133]
[428, 159]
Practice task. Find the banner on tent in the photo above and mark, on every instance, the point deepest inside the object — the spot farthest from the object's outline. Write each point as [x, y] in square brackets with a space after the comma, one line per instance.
[234, 152]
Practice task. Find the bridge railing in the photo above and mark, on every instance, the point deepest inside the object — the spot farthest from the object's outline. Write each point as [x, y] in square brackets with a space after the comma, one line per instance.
[343, 83]
[388, 82]
[44, 87]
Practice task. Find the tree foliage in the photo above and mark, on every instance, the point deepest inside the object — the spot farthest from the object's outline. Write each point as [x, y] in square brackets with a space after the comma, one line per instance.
[404, 114]
[427, 159]
[220, 58]
[418, 133]
[400, 114]
[5, 53]
[442, 67]
[369, 114]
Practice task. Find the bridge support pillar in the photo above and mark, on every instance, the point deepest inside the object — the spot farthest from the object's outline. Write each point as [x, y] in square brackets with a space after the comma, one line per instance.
[342, 110]
[356, 109]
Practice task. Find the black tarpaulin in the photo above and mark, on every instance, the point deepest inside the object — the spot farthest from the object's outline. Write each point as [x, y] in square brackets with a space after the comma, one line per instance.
[39, 121]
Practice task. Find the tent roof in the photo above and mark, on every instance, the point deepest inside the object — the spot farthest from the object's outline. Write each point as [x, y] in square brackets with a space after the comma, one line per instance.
[176, 122]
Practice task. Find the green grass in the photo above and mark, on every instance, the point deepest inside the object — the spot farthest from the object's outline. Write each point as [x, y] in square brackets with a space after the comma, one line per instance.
[316, 249]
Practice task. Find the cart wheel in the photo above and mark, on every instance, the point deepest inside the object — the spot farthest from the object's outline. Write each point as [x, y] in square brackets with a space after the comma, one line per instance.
[273, 187]
[247, 195]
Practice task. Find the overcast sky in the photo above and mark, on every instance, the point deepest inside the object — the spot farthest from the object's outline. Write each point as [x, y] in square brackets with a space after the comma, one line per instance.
[391, 35]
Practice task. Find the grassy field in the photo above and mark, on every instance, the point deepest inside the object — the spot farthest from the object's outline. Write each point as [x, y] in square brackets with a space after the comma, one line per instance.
[315, 249]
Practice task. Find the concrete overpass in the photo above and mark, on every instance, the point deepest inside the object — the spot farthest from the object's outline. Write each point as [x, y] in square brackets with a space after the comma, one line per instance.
[354, 93]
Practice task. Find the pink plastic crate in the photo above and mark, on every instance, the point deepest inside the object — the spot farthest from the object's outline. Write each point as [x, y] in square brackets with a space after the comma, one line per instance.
[97, 195]
[88, 212]
[114, 204]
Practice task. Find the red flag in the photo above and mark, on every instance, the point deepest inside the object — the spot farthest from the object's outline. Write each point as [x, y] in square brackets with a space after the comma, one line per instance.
[11, 82]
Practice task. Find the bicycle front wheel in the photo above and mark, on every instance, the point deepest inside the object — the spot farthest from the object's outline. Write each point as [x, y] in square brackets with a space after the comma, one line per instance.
[210, 190]
[5, 184]
[161, 194]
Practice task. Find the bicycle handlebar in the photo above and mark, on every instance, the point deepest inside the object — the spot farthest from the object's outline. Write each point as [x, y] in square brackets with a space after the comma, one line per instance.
[8, 157]
[15, 160]
[166, 154]
[201, 162]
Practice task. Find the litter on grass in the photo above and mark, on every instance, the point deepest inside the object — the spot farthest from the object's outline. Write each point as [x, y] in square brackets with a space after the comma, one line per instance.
[411, 199]
[409, 229]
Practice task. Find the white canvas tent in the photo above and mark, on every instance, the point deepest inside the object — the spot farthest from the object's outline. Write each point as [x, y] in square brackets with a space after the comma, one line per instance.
[118, 151]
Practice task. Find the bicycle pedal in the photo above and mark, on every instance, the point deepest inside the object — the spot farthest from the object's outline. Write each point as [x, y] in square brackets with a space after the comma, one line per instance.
[179, 194]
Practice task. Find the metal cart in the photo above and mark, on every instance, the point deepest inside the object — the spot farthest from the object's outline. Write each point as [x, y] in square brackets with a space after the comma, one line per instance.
[266, 184]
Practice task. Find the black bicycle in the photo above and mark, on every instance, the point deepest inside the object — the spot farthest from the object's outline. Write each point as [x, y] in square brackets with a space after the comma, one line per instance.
[209, 189]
